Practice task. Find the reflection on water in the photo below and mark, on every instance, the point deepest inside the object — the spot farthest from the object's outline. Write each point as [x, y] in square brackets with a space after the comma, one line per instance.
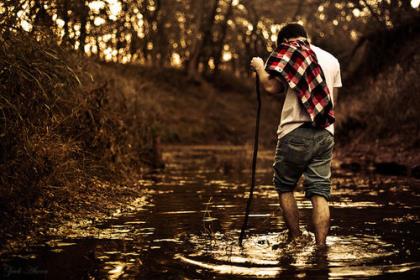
[266, 255]
[187, 223]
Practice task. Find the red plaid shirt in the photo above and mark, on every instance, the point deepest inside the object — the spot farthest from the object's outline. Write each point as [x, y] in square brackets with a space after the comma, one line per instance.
[296, 62]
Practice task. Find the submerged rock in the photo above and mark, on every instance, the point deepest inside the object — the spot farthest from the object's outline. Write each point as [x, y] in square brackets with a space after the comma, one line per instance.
[415, 172]
[391, 168]
[352, 166]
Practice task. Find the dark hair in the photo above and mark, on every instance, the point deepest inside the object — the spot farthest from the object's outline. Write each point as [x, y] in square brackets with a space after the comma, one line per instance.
[291, 30]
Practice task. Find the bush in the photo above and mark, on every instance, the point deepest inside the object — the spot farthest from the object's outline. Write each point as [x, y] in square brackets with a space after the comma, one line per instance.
[385, 106]
[63, 121]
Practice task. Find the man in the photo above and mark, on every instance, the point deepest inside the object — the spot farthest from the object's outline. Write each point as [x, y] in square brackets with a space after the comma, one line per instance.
[309, 77]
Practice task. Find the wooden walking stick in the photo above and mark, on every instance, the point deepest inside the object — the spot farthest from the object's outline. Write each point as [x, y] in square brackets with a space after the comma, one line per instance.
[254, 161]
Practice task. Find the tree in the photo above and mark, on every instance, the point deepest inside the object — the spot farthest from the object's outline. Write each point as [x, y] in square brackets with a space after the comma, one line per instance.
[220, 41]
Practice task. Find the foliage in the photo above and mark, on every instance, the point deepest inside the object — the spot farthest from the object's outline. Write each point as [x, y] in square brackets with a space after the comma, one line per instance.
[63, 125]
[201, 36]
[385, 105]
[66, 120]
[208, 112]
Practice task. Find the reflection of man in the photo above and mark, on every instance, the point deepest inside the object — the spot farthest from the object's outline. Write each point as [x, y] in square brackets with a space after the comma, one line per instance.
[308, 75]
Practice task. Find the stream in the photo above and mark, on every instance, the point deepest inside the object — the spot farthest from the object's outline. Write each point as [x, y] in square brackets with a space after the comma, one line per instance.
[187, 224]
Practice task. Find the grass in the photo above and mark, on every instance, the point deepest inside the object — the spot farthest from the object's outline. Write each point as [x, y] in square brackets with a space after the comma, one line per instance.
[384, 107]
[208, 112]
[70, 125]
[63, 124]
[75, 133]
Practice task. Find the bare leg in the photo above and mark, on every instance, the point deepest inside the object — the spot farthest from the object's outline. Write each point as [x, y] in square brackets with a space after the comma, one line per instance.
[320, 218]
[290, 213]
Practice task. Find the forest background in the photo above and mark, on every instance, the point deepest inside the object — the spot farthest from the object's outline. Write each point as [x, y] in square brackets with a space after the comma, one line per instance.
[90, 90]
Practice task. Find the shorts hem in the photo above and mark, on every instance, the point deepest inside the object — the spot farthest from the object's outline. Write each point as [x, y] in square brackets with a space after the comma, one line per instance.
[285, 188]
[311, 194]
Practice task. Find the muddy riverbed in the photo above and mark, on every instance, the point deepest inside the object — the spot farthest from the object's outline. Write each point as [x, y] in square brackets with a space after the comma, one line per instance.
[187, 222]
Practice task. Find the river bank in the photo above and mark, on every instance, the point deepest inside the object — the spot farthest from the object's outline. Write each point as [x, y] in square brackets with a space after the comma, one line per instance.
[75, 130]
[78, 146]
[383, 158]
[90, 205]
[188, 217]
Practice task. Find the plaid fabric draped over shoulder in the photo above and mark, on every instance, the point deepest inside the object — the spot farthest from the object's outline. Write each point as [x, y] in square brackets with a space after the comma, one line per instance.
[297, 63]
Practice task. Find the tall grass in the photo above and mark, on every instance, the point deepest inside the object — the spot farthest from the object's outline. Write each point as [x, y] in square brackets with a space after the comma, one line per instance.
[64, 121]
[385, 106]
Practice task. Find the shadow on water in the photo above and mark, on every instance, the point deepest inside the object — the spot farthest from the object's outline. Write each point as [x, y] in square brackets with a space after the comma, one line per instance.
[186, 226]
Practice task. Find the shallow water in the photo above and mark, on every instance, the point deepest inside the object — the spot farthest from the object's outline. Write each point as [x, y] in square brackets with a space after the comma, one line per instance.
[186, 226]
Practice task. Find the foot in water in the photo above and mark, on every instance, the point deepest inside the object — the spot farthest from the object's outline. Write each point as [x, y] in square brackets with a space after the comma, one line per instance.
[321, 247]
[304, 239]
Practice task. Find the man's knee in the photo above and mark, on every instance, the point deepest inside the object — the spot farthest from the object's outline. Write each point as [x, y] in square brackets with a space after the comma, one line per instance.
[287, 199]
[319, 199]
[286, 194]
[320, 207]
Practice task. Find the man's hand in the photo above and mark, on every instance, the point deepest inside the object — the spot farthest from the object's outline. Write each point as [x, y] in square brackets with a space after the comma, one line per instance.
[272, 86]
[257, 63]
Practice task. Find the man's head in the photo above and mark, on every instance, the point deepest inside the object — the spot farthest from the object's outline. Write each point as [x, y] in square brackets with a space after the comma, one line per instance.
[291, 30]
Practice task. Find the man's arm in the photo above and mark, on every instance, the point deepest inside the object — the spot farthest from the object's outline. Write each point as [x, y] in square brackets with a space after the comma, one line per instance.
[337, 81]
[270, 84]
[335, 95]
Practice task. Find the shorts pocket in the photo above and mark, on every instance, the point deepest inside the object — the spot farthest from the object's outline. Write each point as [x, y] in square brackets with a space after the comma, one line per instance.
[296, 142]
[296, 151]
[327, 141]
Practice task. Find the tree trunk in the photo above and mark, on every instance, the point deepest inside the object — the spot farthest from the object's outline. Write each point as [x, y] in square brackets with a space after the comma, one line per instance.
[298, 10]
[98, 48]
[205, 52]
[251, 40]
[219, 47]
[83, 16]
[197, 42]
[158, 20]
[151, 18]
[65, 15]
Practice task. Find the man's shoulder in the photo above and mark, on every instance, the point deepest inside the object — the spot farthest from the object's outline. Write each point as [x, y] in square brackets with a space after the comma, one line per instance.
[325, 54]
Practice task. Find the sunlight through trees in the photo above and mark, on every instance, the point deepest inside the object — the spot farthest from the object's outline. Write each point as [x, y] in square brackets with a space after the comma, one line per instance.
[198, 35]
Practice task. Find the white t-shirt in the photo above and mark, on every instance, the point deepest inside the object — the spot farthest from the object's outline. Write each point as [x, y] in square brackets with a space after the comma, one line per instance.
[293, 113]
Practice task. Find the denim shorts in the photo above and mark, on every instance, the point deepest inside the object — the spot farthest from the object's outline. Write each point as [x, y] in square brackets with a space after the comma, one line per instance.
[308, 151]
